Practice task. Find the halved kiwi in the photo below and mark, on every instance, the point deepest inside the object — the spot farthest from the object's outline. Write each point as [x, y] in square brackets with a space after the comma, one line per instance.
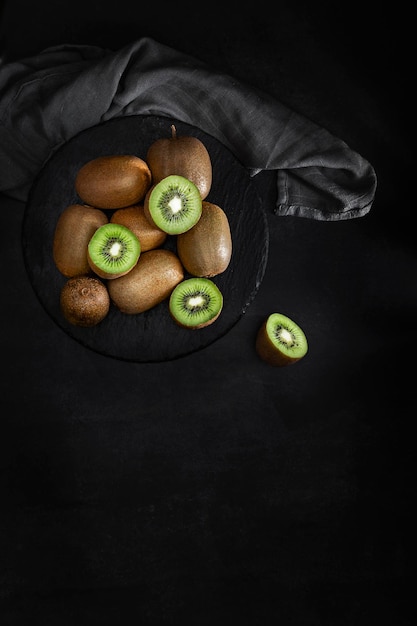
[195, 303]
[113, 250]
[174, 204]
[280, 341]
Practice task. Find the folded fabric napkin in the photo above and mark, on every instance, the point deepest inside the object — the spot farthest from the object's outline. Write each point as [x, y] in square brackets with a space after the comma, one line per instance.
[47, 99]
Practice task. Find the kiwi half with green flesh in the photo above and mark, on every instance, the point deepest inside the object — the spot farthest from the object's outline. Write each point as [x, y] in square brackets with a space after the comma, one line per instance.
[206, 249]
[280, 341]
[174, 204]
[113, 251]
[184, 155]
[74, 229]
[133, 217]
[195, 302]
[84, 300]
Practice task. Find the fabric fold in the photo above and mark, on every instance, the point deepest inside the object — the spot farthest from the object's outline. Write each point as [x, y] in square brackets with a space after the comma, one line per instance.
[47, 99]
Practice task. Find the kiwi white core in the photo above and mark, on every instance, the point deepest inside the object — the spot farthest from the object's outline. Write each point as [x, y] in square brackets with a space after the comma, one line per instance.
[115, 249]
[196, 301]
[285, 336]
[175, 204]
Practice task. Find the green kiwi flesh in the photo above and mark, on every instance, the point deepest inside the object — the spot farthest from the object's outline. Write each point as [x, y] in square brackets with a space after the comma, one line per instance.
[84, 300]
[280, 341]
[174, 204]
[113, 250]
[195, 302]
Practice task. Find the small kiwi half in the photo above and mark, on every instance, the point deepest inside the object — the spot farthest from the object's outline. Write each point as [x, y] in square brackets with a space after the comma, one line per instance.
[174, 204]
[280, 341]
[195, 302]
[113, 250]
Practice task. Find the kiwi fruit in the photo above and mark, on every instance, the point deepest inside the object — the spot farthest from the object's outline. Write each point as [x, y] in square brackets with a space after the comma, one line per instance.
[84, 300]
[206, 249]
[75, 227]
[113, 251]
[174, 204]
[150, 282]
[113, 181]
[133, 217]
[184, 155]
[195, 302]
[280, 341]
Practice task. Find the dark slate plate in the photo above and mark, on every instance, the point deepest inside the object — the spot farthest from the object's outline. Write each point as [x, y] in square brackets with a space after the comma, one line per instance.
[151, 336]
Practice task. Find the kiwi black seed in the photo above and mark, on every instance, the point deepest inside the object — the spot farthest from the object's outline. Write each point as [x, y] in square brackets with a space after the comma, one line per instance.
[84, 300]
[113, 250]
[281, 341]
[195, 303]
[174, 204]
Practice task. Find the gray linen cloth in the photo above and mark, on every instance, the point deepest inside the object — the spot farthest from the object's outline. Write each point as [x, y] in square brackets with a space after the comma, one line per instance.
[48, 98]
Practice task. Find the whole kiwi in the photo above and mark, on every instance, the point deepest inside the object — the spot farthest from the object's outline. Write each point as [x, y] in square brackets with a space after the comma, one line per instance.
[183, 155]
[74, 229]
[206, 249]
[150, 282]
[84, 300]
[113, 181]
[133, 217]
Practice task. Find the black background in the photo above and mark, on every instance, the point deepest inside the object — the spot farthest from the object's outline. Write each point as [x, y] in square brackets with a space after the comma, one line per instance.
[214, 489]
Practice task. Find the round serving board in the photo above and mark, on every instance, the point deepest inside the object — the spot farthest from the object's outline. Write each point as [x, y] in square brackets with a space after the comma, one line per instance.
[151, 336]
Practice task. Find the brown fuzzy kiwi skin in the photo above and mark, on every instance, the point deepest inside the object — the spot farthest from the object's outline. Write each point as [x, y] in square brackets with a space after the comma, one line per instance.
[184, 155]
[150, 282]
[84, 301]
[206, 249]
[74, 229]
[146, 210]
[113, 181]
[134, 218]
[268, 352]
